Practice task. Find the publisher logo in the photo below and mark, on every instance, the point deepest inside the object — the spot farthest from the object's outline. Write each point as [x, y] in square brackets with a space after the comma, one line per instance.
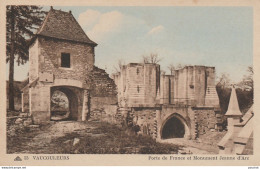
[17, 158]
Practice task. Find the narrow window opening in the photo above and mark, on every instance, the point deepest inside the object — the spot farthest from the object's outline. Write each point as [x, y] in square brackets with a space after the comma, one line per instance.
[138, 89]
[65, 60]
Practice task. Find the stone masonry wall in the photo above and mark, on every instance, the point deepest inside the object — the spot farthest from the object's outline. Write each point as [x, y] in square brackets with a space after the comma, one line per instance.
[103, 103]
[145, 118]
[82, 59]
[102, 84]
[205, 120]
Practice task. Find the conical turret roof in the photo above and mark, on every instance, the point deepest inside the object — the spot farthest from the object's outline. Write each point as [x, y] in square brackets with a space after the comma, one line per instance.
[233, 107]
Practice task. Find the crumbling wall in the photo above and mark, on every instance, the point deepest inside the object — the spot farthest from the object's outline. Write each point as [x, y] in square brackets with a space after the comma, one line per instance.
[102, 84]
[103, 103]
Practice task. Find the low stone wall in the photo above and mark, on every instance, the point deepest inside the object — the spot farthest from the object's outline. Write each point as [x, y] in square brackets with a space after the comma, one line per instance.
[103, 109]
[107, 113]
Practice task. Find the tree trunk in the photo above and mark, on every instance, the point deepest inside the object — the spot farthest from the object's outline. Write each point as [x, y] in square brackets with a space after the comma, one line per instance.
[11, 66]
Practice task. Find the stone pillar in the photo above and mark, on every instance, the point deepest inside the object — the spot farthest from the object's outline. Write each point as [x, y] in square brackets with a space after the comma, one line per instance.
[159, 124]
[161, 88]
[171, 89]
[85, 107]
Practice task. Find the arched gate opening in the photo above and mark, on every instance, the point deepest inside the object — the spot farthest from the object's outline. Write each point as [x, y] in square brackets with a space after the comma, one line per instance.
[175, 127]
[64, 104]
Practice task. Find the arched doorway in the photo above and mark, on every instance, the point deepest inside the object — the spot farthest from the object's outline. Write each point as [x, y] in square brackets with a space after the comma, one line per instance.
[64, 104]
[175, 127]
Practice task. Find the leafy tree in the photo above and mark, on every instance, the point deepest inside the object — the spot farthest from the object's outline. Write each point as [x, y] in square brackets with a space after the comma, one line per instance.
[21, 22]
[245, 91]
[224, 81]
[247, 82]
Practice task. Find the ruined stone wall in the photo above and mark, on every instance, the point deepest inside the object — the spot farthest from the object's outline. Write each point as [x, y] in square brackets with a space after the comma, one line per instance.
[138, 85]
[103, 94]
[135, 86]
[181, 86]
[195, 85]
[146, 119]
[150, 83]
[106, 113]
[102, 84]
[211, 92]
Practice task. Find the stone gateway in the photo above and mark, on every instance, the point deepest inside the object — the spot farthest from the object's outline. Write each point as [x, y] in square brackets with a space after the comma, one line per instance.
[182, 105]
[61, 58]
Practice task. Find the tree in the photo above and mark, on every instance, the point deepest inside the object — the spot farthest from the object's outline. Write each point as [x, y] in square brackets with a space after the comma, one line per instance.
[247, 82]
[152, 58]
[21, 22]
[223, 88]
[224, 81]
[120, 64]
[245, 91]
[171, 67]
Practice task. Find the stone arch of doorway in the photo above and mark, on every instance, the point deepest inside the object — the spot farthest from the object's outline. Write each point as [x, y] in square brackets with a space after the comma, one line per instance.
[73, 95]
[175, 126]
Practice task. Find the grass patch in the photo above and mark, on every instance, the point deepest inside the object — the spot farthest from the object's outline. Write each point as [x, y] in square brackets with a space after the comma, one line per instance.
[23, 135]
[111, 139]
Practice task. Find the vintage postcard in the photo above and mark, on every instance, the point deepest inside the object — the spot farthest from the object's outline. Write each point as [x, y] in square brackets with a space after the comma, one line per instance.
[130, 83]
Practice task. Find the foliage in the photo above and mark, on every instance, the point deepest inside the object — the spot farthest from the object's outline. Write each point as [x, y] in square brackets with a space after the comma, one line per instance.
[244, 90]
[247, 83]
[21, 22]
[59, 101]
[27, 20]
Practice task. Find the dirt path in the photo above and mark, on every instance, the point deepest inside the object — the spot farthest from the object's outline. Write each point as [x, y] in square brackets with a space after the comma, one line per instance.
[43, 139]
[192, 147]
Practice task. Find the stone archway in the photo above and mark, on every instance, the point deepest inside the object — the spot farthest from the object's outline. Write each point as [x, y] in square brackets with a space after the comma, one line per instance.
[72, 110]
[175, 126]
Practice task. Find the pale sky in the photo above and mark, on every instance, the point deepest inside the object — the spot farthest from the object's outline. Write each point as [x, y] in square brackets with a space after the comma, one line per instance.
[212, 36]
